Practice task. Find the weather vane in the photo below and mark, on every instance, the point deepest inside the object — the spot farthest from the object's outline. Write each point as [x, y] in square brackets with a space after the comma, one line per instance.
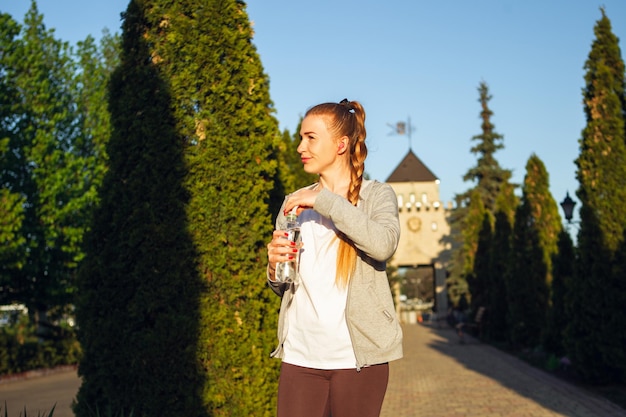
[403, 128]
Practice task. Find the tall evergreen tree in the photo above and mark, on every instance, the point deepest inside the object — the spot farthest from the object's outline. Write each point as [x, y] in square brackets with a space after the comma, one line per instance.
[191, 89]
[527, 290]
[601, 172]
[497, 303]
[496, 326]
[535, 235]
[543, 209]
[614, 348]
[487, 175]
[481, 274]
[558, 315]
[471, 228]
[138, 308]
[489, 181]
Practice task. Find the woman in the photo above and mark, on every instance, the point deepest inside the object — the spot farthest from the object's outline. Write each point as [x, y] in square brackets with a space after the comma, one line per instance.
[337, 327]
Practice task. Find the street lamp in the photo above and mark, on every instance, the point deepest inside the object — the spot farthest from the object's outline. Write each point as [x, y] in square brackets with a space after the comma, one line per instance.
[568, 207]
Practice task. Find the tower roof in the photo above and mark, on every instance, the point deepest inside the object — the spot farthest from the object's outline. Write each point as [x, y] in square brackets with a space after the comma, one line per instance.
[411, 169]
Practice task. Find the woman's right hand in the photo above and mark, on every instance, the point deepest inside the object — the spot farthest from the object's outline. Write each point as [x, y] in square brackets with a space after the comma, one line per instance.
[280, 249]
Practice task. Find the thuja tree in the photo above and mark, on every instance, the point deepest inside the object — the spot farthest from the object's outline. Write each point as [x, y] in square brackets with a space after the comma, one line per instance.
[527, 290]
[481, 275]
[543, 210]
[558, 314]
[496, 300]
[470, 231]
[223, 109]
[601, 172]
[537, 225]
[138, 307]
[614, 349]
[178, 244]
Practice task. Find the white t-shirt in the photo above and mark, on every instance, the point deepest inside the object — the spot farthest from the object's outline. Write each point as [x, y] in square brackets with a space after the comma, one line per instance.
[317, 335]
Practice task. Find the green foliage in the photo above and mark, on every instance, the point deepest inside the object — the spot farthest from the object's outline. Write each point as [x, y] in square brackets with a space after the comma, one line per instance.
[596, 294]
[138, 306]
[470, 231]
[528, 291]
[50, 165]
[487, 175]
[537, 225]
[495, 328]
[490, 181]
[614, 348]
[481, 277]
[543, 210]
[22, 350]
[174, 312]
[12, 254]
[562, 274]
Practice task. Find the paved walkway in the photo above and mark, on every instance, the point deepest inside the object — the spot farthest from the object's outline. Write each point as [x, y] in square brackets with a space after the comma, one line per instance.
[438, 377]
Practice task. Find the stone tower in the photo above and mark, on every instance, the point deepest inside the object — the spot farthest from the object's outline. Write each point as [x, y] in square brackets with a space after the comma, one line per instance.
[423, 252]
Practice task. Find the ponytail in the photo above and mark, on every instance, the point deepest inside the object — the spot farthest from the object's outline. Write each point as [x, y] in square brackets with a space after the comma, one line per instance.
[347, 119]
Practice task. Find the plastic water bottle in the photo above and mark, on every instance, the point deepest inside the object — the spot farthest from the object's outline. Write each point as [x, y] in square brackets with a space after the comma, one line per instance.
[287, 271]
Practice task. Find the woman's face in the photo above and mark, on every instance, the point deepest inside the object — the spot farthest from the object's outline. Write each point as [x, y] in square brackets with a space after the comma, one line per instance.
[318, 149]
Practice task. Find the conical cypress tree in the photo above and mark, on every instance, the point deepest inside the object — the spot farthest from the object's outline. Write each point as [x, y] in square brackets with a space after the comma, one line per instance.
[601, 172]
[558, 315]
[537, 224]
[194, 127]
[496, 326]
[526, 286]
[471, 227]
[481, 277]
[139, 304]
[223, 112]
[544, 210]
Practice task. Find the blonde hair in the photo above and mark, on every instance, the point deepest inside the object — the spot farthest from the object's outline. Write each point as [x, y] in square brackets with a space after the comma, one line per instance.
[347, 118]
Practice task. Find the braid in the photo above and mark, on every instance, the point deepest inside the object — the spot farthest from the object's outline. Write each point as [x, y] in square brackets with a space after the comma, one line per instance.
[346, 257]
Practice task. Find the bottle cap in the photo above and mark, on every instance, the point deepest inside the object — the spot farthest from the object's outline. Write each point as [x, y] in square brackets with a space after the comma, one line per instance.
[292, 216]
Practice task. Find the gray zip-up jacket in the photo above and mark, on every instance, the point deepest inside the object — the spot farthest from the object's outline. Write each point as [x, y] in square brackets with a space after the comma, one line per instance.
[374, 228]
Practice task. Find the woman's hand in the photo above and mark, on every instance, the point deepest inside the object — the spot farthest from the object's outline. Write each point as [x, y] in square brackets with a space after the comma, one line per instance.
[303, 199]
[280, 249]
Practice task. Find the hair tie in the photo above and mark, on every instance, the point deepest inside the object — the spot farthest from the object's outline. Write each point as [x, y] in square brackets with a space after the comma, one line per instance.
[347, 105]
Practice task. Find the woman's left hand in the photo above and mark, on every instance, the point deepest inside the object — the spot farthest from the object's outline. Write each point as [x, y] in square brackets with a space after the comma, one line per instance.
[303, 199]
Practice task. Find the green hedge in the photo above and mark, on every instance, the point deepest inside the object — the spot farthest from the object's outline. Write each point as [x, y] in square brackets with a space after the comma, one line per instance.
[20, 353]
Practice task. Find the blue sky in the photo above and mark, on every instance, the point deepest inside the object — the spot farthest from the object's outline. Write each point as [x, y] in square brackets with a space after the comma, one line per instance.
[420, 61]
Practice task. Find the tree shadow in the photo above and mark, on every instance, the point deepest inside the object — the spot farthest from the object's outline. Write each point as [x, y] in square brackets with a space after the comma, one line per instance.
[138, 308]
[514, 374]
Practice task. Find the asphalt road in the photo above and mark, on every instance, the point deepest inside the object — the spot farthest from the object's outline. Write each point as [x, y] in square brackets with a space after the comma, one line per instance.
[37, 394]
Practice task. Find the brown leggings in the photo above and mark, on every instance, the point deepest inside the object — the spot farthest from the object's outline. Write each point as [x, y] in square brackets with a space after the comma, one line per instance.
[306, 392]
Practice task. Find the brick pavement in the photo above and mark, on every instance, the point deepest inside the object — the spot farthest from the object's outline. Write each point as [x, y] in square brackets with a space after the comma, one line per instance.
[440, 377]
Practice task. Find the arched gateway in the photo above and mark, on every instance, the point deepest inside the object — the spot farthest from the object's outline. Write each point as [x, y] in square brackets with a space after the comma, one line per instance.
[423, 253]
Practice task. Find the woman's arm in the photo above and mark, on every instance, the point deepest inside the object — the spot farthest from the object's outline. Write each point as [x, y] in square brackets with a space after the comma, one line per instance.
[374, 227]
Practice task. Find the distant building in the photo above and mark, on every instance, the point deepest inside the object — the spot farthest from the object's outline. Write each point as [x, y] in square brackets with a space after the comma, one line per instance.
[423, 252]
